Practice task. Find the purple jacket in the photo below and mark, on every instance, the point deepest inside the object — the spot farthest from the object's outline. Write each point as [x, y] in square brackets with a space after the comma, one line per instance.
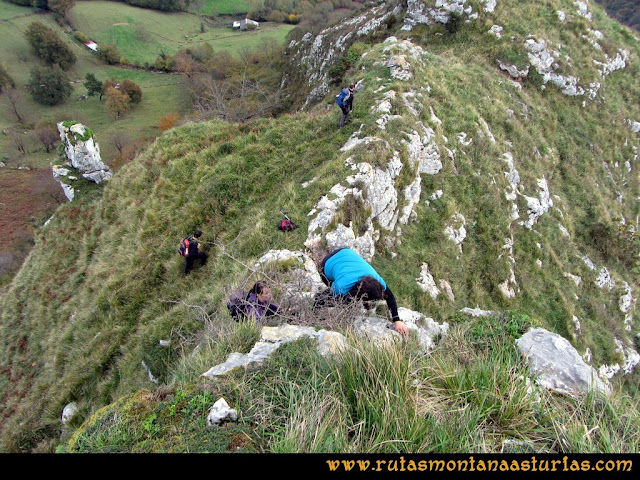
[258, 309]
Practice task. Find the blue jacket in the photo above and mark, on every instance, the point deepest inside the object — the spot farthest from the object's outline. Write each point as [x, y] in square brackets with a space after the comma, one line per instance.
[345, 268]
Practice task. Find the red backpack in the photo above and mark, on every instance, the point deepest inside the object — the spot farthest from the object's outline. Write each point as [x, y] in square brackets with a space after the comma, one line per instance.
[183, 249]
[286, 225]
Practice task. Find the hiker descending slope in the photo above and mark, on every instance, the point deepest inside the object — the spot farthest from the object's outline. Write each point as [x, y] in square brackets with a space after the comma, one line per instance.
[345, 102]
[190, 250]
[350, 277]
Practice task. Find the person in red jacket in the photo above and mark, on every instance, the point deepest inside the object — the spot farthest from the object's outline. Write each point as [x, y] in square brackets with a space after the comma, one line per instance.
[194, 252]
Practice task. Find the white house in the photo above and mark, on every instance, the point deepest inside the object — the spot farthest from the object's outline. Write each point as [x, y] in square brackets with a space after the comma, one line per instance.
[92, 45]
[246, 24]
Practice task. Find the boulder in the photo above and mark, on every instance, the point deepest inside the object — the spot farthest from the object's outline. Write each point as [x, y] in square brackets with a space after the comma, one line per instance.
[68, 412]
[219, 412]
[557, 365]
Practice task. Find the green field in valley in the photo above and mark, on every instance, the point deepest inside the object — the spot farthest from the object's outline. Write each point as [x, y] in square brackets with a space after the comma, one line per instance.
[225, 7]
[141, 35]
[11, 10]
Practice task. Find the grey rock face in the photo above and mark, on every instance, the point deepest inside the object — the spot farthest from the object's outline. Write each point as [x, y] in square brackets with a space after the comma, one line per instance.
[83, 154]
[557, 365]
[270, 340]
[377, 329]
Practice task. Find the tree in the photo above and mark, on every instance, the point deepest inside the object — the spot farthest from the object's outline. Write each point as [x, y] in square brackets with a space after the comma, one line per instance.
[93, 85]
[49, 85]
[16, 104]
[18, 140]
[109, 53]
[5, 79]
[185, 63]
[48, 46]
[130, 89]
[61, 7]
[165, 62]
[117, 103]
[47, 134]
[120, 140]
[133, 91]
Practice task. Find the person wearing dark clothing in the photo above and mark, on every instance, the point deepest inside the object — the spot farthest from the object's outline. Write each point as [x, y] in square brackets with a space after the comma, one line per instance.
[194, 252]
[350, 277]
[345, 102]
[258, 303]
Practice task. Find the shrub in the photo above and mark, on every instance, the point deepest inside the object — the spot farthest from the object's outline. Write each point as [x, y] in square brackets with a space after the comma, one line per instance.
[117, 103]
[109, 53]
[48, 46]
[133, 91]
[5, 79]
[49, 85]
[168, 121]
[81, 37]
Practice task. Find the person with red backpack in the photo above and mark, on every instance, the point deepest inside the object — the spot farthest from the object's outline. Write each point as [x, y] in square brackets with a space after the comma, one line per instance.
[190, 250]
[286, 224]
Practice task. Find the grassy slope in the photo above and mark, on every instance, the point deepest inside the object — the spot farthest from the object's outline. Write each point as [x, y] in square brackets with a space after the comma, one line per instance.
[78, 322]
[225, 7]
[152, 32]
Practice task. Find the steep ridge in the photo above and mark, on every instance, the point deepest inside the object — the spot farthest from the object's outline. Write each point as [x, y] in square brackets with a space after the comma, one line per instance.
[489, 163]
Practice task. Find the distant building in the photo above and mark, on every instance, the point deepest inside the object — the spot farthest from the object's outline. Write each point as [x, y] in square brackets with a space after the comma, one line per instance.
[92, 46]
[246, 24]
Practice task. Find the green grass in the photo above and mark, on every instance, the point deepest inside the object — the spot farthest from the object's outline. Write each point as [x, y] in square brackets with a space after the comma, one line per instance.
[225, 7]
[11, 10]
[373, 399]
[161, 95]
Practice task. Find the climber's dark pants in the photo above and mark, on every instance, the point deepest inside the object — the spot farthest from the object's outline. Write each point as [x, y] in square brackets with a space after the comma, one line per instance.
[188, 261]
[345, 112]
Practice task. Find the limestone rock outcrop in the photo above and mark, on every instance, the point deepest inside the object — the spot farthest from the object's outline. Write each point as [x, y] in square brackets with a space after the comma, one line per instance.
[557, 365]
[82, 158]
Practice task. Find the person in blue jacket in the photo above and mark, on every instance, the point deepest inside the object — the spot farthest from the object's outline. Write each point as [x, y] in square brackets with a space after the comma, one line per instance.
[345, 102]
[350, 277]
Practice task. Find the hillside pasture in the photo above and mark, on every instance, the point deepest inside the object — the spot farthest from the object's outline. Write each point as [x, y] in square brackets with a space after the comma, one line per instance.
[15, 52]
[26, 198]
[142, 35]
[225, 7]
[11, 10]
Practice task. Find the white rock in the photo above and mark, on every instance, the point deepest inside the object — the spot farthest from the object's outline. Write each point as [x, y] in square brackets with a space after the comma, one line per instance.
[68, 412]
[219, 412]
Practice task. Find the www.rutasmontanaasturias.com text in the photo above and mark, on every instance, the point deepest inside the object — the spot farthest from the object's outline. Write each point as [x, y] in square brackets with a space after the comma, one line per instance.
[533, 464]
